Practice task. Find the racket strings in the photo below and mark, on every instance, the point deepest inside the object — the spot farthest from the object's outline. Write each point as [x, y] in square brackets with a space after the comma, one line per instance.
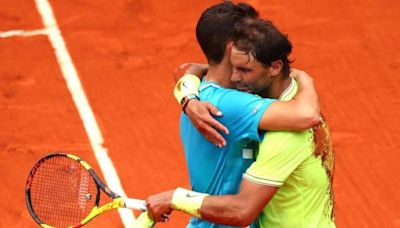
[62, 192]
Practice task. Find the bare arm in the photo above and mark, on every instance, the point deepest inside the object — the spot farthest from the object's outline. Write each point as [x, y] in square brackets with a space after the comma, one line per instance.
[189, 81]
[300, 113]
[201, 115]
[236, 210]
[197, 69]
[240, 209]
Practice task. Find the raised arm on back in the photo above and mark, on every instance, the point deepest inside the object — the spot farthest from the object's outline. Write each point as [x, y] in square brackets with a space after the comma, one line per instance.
[300, 113]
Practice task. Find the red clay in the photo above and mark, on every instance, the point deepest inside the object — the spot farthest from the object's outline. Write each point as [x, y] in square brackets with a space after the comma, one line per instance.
[125, 53]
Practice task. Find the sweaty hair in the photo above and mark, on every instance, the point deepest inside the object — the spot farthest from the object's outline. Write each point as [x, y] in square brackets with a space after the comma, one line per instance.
[215, 27]
[264, 41]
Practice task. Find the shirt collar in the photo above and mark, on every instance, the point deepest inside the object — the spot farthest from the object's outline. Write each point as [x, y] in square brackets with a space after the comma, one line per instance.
[290, 91]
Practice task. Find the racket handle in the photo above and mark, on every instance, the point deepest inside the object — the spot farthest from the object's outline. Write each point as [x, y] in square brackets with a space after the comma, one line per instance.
[135, 204]
[144, 221]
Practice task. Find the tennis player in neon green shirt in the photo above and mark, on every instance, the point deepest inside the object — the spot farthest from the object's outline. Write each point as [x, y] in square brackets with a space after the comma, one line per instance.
[289, 184]
[287, 161]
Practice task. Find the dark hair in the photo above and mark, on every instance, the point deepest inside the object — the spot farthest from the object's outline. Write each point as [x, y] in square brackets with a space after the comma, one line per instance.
[264, 41]
[215, 27]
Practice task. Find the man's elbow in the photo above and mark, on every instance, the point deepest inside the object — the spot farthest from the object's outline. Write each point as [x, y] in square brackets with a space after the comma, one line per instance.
[243, 218]
[314, 120]
[311, 118]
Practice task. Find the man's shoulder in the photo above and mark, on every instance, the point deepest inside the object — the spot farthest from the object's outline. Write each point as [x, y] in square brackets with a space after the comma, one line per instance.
[235, 105]
[214, 92]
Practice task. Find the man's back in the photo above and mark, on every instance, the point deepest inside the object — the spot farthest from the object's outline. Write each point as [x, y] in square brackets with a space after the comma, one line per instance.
[219, 171]
[304, 199]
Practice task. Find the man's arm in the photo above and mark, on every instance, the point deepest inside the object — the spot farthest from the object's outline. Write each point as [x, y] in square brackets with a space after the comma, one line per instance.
[199, 113]
[300, 113]
[240, 209]
[236, 210]
[280, 154]
[189, 81]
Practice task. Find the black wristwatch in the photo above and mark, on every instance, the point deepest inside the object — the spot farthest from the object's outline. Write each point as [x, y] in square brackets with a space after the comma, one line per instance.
[185, 100]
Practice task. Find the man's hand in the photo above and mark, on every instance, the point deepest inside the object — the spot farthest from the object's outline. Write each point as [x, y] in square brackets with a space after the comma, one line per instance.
[306, 82]
[200, 114]
[143, 221]
[159, 206]
[198, 69]
[302, 77]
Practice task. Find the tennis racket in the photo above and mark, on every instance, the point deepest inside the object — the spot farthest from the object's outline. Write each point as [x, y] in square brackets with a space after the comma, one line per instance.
[62, 190]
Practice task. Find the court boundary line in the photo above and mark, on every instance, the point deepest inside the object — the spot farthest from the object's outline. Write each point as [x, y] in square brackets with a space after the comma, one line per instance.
[81, 102]
[24, 33]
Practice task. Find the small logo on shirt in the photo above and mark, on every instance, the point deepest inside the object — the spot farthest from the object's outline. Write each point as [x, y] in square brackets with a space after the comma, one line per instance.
[258, 106]
[247, 153]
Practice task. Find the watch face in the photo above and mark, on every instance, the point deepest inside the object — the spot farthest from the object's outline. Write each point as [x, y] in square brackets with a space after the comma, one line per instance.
[183, 100]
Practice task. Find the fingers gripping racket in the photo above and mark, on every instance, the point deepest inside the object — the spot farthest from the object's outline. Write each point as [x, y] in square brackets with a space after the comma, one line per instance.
[62, 190]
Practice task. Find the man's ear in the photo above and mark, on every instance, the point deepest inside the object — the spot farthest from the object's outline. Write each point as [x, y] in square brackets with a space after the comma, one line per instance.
[229, 46]
[276, 67]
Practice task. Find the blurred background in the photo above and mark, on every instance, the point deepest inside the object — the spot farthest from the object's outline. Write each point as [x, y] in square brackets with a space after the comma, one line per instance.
[125, 52]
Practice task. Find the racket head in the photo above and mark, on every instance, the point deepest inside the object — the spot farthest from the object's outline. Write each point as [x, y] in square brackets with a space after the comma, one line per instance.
[61, 191]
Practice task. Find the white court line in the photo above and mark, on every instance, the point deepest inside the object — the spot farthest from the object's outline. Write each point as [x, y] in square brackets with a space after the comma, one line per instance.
[74, 85]
[12, 33]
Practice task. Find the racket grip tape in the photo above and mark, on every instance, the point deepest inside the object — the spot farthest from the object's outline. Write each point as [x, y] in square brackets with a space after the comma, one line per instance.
[144, 221]
[135, 204]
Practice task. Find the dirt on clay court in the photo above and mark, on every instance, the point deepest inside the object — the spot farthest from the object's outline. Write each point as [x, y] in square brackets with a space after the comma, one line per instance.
[125, 52]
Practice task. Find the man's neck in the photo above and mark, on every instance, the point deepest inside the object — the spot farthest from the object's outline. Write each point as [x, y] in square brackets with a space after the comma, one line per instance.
[277, 87]
[221, 74]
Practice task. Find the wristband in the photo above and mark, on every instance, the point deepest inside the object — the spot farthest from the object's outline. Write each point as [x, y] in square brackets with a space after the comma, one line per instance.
[186, 99]
[188, 201]
[189, 84]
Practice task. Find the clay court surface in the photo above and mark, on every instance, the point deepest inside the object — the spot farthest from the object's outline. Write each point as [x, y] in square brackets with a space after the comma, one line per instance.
[125, 52]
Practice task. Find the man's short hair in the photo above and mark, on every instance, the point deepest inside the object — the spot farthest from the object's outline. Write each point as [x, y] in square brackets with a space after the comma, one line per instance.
[215, 27]
[264, 41]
